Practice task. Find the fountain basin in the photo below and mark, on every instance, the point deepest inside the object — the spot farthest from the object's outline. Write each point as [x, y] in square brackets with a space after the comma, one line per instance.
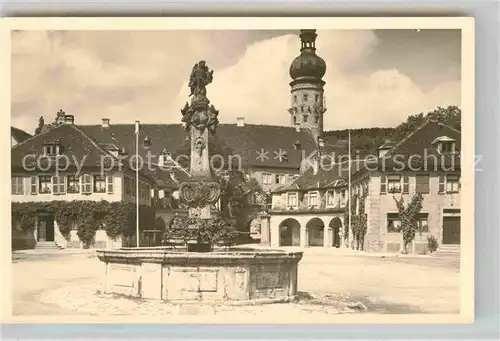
[229, 276]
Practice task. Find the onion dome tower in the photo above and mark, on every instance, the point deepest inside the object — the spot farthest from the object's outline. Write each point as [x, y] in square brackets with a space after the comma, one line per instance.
[307, 71]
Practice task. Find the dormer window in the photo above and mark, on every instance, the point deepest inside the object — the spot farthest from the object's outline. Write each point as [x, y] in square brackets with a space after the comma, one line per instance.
[305, 97]
[51, 149]
[305, 118]
[445, 145]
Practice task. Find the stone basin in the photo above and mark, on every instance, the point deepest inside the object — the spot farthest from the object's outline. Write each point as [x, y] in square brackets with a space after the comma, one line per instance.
[237, 275]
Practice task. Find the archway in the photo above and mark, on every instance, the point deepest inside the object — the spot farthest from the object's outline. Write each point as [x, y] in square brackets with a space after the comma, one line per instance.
[316, 231]
[336, 226]
[289, 232]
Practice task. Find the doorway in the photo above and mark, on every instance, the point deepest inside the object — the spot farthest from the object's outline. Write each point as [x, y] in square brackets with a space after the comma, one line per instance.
[45, 228]
[451, 230]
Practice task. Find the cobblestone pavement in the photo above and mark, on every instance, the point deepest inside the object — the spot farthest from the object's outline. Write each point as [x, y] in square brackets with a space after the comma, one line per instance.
[330, 283]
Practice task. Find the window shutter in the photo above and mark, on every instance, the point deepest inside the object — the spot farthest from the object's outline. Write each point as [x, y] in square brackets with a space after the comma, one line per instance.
[109, 183]
[55, 185]
[62, 185]
[406, 184]
[34, 185]
[383, 184]
[441, 184]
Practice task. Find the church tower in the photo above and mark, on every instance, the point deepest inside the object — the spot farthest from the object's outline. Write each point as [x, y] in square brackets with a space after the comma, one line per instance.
[307, 71]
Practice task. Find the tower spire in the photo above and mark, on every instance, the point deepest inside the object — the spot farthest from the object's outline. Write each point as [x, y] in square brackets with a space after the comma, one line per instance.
[307, 71]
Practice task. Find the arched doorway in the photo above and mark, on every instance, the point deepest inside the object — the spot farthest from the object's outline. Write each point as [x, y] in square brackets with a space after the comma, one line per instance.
[316, 232]
[289, 232]
[336, 226]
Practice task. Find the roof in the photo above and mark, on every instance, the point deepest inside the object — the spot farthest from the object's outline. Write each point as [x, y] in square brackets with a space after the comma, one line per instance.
[80, 149]
[245, 142]
[75, 144]
[18, 134]
[418, 150]
[332, 176]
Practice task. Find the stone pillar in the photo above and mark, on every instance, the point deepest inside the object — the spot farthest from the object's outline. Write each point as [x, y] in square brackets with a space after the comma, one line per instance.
[265, 232]
[304, 236]
[275, 235]
[328, 236]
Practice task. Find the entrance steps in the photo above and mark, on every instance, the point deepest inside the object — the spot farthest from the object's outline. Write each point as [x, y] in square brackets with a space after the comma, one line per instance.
[448, 251]
[46, 246]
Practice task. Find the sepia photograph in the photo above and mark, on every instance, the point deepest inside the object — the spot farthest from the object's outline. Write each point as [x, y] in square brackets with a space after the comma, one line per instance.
[303, 172]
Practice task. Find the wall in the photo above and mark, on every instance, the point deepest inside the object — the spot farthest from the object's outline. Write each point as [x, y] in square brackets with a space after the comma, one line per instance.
[27, 197]
[378, 205]
[257, 174]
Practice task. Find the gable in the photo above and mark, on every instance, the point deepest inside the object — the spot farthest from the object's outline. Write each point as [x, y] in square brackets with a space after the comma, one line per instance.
[76, 149]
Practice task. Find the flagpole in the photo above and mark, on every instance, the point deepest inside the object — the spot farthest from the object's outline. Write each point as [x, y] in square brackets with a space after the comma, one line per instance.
[137, 181]
[349, 188]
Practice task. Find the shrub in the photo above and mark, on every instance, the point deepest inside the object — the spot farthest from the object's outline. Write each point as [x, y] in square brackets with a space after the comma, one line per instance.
[432, 243]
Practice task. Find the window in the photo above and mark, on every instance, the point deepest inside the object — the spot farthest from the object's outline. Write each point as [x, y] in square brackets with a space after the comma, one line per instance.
[305, 117]
[422, 183]
[423, 222]
[17, 185]
[58, 185]
[292, 199]
[86, 184]
[316, 98]
[294, 98]
[394, 183]
[344, 197]
[99, 184]
[295, 120]
[110, 183]
[302, 109]
[44, 184]
[73, 184]
[447, 147]
[33, 185]
[267, 178]
[452, 183]
[406, 184]
[313, 199]
[280, 179]
[393, 223]
[330, 198]
[51, 149]
[305, 97]
[383, 184]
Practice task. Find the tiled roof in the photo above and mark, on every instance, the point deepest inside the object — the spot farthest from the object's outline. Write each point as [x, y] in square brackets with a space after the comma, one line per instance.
[417, 149]
[326, 177]
[75, 144]
[245, 141]
[18, 134]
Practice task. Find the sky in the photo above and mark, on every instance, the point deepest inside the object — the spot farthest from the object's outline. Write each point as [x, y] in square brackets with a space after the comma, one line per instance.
[373, 78]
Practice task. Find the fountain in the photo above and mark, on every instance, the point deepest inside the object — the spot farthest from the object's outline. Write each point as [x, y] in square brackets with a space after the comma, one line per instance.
[201, 272]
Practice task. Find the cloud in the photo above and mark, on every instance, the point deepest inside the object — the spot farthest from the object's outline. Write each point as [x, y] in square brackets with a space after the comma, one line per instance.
[129, 75]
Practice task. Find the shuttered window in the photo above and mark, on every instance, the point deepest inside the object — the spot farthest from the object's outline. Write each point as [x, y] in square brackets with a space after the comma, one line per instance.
[406, 184]
[441, 184]
[58, 185]
[110, 183]
[422, 183]
[383, 184]
[34, 185]
[86, 184]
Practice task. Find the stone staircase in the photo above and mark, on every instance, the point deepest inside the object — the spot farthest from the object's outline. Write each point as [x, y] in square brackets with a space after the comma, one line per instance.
[449, 251]
[46, 246]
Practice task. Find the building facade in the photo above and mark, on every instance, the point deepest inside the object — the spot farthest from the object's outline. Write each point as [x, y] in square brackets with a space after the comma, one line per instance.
[427, 162]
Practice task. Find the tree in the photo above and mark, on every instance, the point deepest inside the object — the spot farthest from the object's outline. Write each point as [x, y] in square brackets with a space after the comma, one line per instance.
[408, 217]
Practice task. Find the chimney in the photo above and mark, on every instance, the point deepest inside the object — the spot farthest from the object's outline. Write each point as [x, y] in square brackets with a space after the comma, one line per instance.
[240, 121]
[70, 119]
[105, 122]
